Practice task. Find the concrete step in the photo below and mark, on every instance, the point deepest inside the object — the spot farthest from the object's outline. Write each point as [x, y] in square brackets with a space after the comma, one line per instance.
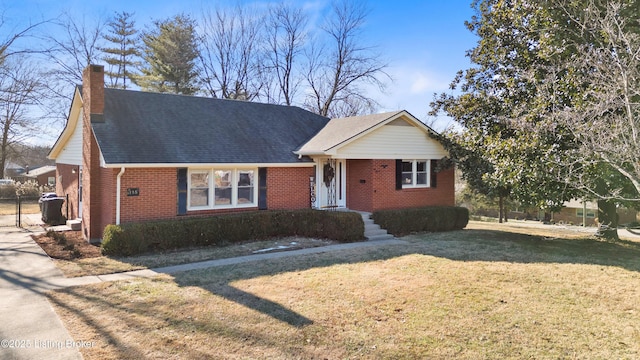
[380, 237]
[373, 231]
[75, 225]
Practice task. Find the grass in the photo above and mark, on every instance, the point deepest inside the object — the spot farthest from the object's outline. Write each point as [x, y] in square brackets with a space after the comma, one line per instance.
[8, 207]
[471, 294]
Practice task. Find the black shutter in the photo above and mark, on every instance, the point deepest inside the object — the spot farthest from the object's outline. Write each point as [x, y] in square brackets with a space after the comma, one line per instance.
[182, 191]
[434, 174]
[399, 174]
[262, 188]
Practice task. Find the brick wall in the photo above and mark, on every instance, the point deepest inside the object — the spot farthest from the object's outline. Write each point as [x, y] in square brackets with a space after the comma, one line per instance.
[158, 194]
[43, 179]
[359, 185]
[378, 191]
[67, 184]
[288, 188]
[107, 195]
[92, 204]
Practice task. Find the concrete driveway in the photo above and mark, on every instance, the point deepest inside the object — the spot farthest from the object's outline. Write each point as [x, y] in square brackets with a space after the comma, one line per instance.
[29, 328]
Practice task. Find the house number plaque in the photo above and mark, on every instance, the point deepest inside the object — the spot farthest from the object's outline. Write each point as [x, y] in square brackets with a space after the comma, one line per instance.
[133, 191]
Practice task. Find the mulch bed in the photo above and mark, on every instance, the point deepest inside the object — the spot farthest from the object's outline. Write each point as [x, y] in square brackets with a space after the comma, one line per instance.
[67, 245]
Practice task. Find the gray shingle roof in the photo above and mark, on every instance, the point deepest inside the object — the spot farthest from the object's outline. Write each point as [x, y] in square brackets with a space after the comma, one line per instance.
[151, 128]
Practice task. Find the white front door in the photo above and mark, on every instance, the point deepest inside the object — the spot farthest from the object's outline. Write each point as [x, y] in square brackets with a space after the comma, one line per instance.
[332, 183]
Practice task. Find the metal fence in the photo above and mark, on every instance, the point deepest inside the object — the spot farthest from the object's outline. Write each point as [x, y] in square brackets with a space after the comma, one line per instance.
[13, 210]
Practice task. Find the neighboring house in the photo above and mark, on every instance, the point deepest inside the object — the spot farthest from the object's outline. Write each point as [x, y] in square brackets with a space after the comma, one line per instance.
[43, 176]
[129, 156]
[579, 212]
[11, 170]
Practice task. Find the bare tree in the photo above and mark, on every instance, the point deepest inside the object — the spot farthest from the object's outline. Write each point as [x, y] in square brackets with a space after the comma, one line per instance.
[76, 49]
[20, 89]
[286, 38]
[8, 41]
[338, 72]
[73, 48]
[229, 56]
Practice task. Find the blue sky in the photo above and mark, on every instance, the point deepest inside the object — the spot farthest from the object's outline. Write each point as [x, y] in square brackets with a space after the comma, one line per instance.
[424, 41]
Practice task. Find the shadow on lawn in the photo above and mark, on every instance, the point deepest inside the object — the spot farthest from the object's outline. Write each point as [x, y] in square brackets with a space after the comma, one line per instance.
[42, 287]
[501, 245]
[464, 245]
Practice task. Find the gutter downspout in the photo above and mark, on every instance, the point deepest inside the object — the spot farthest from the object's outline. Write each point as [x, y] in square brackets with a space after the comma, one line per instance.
[118, 185]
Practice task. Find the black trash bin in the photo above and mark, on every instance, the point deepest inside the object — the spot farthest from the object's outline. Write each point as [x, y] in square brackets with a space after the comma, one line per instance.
[51, 208]
[46, 195]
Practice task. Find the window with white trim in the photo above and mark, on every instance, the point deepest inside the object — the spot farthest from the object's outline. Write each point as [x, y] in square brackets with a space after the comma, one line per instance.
[221, 188]
[199, 189]
[415, 173]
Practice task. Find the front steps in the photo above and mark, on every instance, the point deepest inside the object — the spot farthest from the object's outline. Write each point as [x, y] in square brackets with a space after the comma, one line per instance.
[75, 225]
[373, 231]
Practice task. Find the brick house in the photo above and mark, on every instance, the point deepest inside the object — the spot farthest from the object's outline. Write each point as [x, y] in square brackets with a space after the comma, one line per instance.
[129, 156]
[43, 176]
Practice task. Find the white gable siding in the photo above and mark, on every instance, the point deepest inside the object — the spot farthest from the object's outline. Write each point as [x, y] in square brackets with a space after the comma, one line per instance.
[393, 141]
[72, 152]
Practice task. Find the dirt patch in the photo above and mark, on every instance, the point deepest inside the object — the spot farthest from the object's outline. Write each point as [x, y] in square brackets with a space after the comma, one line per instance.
[67, 245]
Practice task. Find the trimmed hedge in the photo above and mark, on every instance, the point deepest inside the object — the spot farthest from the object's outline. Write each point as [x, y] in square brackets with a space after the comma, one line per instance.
[427, 219]
[137, 238]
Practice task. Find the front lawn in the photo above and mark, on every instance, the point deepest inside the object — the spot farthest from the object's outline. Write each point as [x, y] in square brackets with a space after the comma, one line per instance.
[469, 294]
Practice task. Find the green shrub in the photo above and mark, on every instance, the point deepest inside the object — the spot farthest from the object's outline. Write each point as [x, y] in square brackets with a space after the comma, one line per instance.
[136, 238]
[438, 218]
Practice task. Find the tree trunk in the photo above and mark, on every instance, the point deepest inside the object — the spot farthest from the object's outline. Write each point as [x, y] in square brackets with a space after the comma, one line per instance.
[505, 211]
[501, 208]
[607, 220]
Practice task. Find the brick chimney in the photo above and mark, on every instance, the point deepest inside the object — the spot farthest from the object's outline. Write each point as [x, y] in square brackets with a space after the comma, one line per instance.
[93, 91]
[92, 112]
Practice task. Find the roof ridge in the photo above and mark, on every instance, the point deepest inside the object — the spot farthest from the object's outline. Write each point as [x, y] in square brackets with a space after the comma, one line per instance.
[235, 101]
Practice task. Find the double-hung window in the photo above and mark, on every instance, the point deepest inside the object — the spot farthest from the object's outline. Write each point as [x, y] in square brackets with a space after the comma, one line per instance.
[221, 188]
[415, 173]
[199, 189]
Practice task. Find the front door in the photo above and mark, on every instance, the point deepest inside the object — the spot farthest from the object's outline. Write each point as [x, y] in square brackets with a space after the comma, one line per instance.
[332, 184]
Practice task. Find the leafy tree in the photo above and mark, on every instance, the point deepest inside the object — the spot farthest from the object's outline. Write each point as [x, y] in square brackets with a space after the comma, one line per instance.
[605, 118]
[170, 55]
[124, 51]
[497, 158]
[536, 94]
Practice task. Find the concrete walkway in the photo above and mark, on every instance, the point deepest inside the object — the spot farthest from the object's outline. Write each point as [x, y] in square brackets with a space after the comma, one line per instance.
[84, 280]
[29, 328]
